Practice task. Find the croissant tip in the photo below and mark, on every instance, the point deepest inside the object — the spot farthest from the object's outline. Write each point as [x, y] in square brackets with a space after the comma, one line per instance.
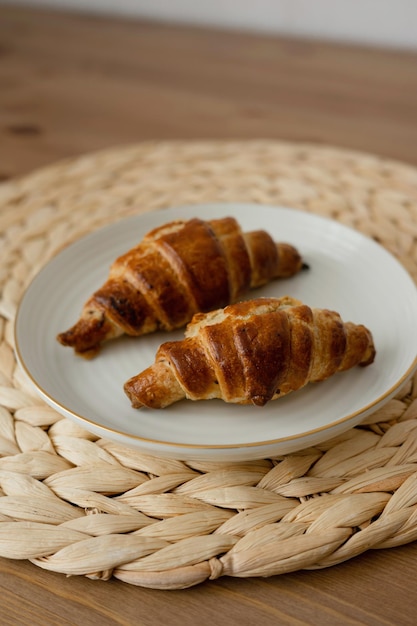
[370, 359]
[130, 393]
[87, 334]
[66, 339]
[69, 339]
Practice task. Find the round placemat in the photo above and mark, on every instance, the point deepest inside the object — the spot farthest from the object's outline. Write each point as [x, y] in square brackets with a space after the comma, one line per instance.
[79, 505]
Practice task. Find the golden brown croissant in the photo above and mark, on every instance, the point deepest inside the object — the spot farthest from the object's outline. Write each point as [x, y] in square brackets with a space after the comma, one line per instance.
[250, 353]
[177, 270]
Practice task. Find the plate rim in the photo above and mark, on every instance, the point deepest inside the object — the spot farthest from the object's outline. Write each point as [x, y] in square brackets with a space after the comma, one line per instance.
[252, 444]
[71, 414]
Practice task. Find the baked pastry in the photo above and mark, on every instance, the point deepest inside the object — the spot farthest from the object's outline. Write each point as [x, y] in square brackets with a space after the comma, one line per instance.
[250, 353]
[177, 270]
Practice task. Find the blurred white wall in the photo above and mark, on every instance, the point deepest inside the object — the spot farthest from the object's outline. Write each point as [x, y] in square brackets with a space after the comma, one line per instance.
[390, 23]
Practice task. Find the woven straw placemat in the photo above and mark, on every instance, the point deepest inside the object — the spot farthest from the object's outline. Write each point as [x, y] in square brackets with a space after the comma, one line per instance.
[79, 505]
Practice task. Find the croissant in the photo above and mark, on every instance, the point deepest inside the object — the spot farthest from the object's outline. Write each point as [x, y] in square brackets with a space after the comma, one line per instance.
[177, 270]
[250, 353]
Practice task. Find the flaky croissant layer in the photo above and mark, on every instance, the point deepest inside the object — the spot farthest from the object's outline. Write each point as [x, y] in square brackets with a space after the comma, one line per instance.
[250, 353]
[177, 270]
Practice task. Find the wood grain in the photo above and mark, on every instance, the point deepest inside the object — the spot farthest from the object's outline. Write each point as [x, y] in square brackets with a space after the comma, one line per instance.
[71, 84]
[374, 589]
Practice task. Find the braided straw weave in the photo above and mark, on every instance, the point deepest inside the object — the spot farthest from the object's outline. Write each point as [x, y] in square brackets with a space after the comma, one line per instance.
[79, 505]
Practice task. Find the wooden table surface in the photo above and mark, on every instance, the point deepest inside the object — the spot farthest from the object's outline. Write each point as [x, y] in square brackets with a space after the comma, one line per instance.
[71, 84]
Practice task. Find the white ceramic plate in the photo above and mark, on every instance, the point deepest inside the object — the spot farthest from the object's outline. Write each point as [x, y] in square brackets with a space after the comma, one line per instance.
[348, 273]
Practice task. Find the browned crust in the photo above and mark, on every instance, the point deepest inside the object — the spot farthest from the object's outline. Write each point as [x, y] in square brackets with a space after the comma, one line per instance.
[178, 269]
[254, 352]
